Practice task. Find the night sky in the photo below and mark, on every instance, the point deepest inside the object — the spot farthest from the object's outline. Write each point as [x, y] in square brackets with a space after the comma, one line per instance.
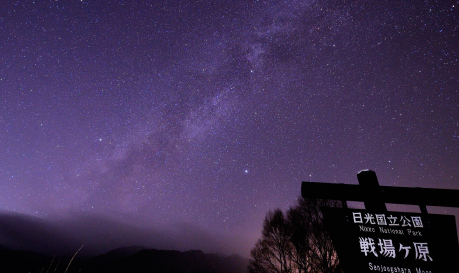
[179, 124]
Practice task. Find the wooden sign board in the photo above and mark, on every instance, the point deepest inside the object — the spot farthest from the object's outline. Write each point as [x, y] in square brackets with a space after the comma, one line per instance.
[368, 241]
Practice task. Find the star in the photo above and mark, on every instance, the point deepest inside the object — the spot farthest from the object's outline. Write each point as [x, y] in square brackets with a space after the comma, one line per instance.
[177, 116]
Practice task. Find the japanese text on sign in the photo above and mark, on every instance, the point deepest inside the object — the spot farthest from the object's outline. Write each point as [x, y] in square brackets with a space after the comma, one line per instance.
[382, 220]
[387, 249]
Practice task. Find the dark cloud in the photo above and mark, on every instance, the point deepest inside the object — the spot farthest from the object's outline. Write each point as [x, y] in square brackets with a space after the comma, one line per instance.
[100, 234]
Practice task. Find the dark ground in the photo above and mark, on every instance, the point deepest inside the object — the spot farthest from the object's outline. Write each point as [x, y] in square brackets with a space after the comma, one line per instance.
[128, 259]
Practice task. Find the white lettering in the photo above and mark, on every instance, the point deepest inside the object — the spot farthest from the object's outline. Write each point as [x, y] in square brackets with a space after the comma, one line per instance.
[392, 269]
[366, 229]
[391, 231]
[417, 222]
[418, 270]
[357, 217]
[414, 232]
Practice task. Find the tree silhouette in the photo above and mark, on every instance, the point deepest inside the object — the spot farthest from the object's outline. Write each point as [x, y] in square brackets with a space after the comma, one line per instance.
[296, 241]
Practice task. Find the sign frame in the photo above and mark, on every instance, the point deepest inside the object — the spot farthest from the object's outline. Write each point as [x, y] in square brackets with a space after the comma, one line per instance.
[396, 242]
[439, 233]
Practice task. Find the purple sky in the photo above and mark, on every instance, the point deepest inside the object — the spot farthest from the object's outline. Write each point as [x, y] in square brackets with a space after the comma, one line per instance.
[179, 124]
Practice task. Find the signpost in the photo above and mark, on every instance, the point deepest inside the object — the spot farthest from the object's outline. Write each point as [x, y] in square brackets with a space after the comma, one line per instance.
[392, 241]
[377, 240]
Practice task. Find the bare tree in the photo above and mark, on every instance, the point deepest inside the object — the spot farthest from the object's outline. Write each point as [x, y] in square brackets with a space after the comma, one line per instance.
[314, 242]
[272, 252]
[300, 231]
[296, 241]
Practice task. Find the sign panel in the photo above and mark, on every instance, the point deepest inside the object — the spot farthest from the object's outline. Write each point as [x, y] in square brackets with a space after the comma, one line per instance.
[393, 241]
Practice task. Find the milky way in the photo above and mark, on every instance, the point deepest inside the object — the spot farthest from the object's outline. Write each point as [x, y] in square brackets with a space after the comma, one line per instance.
[189, 120]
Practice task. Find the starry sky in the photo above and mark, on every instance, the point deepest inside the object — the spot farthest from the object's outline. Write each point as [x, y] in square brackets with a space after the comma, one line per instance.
[179, 124]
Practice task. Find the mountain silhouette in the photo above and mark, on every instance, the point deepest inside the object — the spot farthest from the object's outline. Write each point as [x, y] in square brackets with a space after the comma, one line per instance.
[126, 259]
